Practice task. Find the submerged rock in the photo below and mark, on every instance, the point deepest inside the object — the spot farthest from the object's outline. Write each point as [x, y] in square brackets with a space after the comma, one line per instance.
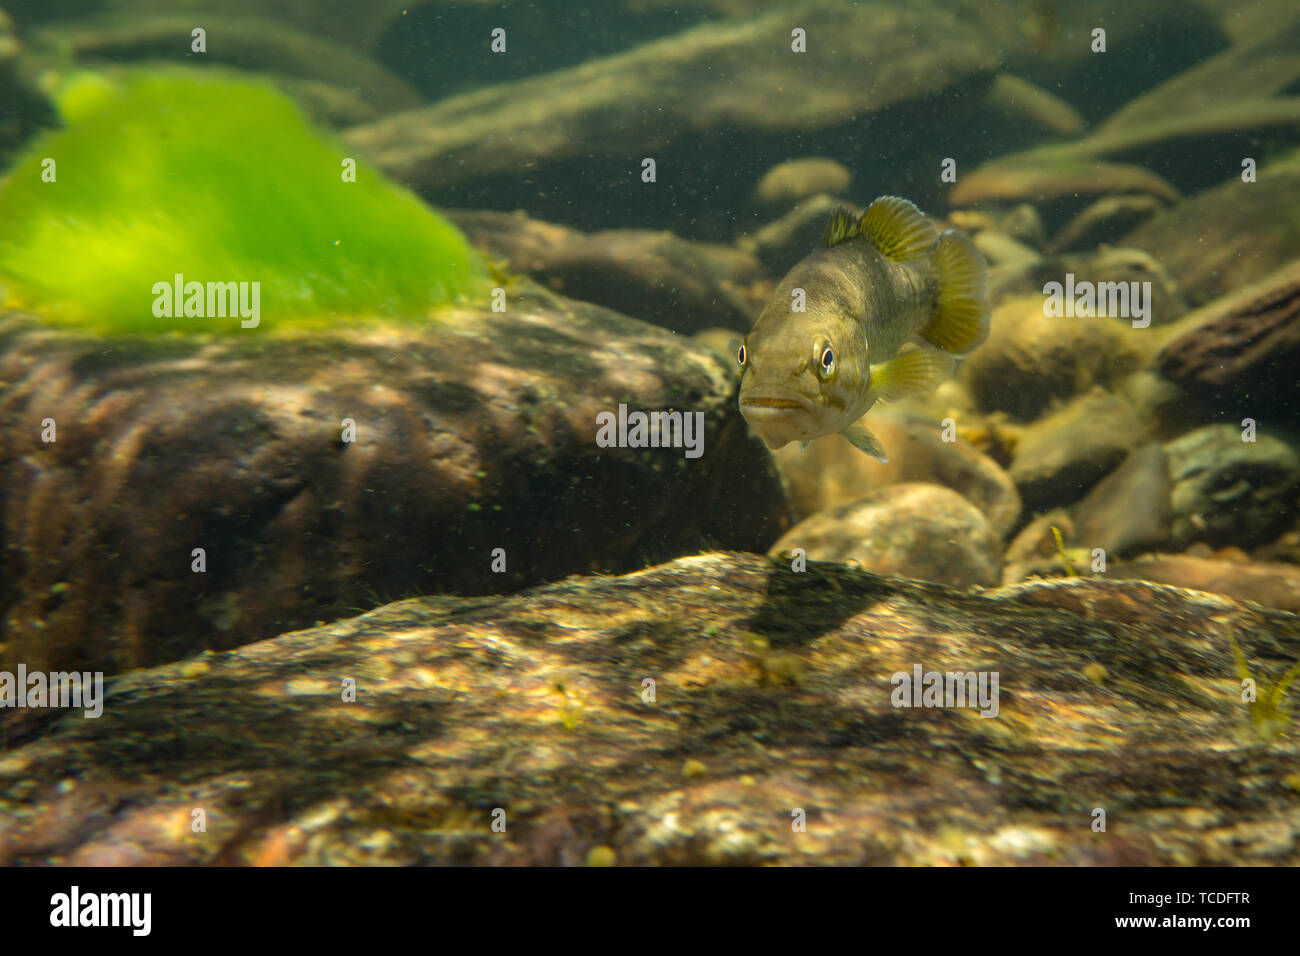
[1032, 360]
[916, 530]
[728, 75]
[681, 285]
[1242, 233]
[831, 472]
[1243, 349]
[1061, 456]
[1107, 220]
[791, 182]
[1129, 510]
[1034, 551]
[246, 41]
[662, 717]
[1020, 100]
[1214, 113]
[25, 107]
[1053, 173]
[1270, 584]
[473, 433]
[1228, 491]
[783, 242]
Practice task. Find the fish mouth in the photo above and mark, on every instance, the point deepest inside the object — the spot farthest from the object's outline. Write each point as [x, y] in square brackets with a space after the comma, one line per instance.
[773, 400]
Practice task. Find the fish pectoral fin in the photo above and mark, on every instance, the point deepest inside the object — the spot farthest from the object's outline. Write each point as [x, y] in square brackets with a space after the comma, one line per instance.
[863, 440]
[961, 315]
[803, 446]
[913, 372]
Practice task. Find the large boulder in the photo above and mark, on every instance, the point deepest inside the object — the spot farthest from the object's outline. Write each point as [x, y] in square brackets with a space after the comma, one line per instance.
[474, 432]
[684, 715]
[727, 75]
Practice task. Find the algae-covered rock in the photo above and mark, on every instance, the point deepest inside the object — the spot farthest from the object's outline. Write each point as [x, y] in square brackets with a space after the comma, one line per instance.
[660, 718]
[327, 473]
[913, 529]
[170, 188]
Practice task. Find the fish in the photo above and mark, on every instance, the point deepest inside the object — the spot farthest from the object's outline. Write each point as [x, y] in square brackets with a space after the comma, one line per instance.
[879, 313]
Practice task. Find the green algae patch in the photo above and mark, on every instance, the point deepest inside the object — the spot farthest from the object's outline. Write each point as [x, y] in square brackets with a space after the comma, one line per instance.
[175, 193]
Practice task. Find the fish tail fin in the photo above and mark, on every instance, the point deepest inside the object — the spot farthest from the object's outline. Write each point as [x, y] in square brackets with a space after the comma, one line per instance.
[914, 372]
[961, 316]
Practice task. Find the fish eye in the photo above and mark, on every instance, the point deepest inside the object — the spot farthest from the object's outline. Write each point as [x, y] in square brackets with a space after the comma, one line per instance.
[827, 360]
[741, 355]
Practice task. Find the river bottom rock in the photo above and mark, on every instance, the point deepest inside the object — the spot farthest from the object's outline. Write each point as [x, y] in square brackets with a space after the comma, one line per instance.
[659, 718]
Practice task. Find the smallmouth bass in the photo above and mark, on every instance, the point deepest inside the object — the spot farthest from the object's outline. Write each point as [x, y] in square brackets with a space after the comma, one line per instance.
[877, 314]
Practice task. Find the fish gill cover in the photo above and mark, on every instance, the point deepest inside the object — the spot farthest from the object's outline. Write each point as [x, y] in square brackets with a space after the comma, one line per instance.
[161, 173]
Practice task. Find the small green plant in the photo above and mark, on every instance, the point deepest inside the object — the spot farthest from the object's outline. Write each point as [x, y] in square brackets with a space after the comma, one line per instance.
[1062, 553]
[170, 172]
[1269, 713]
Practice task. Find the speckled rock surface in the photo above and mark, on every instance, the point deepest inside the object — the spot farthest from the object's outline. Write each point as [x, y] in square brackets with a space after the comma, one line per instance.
[474, 432]
[771, 695]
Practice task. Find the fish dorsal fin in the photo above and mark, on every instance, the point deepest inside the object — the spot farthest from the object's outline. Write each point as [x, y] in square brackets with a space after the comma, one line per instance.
[843, 225]
[897, 228]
